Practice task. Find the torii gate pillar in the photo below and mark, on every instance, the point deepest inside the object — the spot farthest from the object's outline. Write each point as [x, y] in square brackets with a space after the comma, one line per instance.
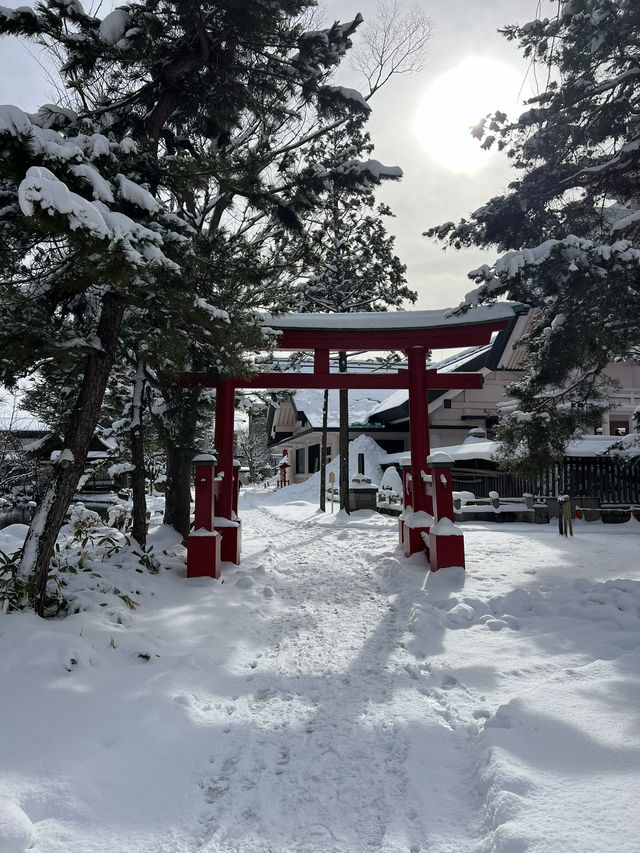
[415, 528]
[226, 521]
[418, 426]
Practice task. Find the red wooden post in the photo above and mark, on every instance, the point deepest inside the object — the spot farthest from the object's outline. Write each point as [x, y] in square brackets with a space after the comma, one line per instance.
[203, 543]
[236, 493]
[418, 424]
[405, 467]
[321, 361]
[418, 523]
[226, 520]
[225, 394]
[284, 464]
[446, 542]
[440, 465]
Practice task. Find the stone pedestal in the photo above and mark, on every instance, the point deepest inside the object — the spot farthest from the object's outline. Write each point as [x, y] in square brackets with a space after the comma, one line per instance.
[362, 493]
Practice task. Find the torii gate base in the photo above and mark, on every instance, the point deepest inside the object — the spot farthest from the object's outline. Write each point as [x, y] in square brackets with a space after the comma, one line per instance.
[231, 535]
[214, 538]
[432, 529]
[204, 542]
[203, 554]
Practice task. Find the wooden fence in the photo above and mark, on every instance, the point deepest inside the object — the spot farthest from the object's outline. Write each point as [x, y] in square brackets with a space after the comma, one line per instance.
[611, 480]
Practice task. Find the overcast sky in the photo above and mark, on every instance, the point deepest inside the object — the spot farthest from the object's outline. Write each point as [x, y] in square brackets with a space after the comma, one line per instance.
[465, 38]
[464, 34]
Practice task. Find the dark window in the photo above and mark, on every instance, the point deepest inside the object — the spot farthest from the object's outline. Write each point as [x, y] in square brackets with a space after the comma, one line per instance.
[391, 445]
[314, 458]
[300, 454]
[618, 426]
[447, 404]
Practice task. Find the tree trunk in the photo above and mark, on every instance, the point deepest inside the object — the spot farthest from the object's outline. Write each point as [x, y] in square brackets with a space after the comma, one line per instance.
[177, 430]
[49, 516]
[139, 494]
[177, 504]
[323, 452]
[344, 438]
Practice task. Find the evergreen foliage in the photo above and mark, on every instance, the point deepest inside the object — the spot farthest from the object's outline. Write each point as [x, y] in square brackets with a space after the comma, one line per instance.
[161, 206]
[569, 221]
[354, 265]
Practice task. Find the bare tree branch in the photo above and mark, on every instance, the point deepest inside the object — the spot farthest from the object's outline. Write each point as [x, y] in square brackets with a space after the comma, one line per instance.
[394, 42]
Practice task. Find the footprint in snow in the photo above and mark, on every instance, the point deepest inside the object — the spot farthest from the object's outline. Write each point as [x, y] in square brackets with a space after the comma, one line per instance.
[481, 714]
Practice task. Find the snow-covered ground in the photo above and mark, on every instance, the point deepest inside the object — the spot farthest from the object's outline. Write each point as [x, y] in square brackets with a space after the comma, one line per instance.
[330, 696]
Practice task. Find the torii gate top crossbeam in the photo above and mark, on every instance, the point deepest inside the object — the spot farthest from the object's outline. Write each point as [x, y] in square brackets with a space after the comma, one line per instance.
[381, 330]
[385, 330]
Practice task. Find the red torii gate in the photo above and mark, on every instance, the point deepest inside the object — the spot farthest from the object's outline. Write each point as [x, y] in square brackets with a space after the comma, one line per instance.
[216, 534]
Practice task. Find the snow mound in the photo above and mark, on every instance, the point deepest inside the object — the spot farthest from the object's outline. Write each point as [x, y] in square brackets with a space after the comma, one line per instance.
[12, 537]
[309, 490]
[16, 829]
[113, 27]
[391, 480]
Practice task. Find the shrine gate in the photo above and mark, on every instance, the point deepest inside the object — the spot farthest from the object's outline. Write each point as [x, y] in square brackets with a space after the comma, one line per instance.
[428, 518]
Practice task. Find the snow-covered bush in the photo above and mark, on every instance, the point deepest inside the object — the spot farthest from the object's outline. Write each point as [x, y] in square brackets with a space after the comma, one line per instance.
[117, 516]
[391, 492]
[16, 829]
[79, 515]
[15, 591]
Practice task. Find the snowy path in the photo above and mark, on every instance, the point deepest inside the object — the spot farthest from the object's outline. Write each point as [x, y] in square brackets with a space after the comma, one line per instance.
[331, 696]
[393, 710]
[318, 755]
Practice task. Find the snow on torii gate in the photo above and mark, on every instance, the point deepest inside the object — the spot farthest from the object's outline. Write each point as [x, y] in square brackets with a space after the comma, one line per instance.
[216, 534]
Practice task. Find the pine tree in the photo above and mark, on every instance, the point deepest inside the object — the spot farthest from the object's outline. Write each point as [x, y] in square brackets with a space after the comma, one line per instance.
[181, 109]
[238, 177]
[127, 422]
[569, 221]
[198, 119]
[82, 241]
[355, 268]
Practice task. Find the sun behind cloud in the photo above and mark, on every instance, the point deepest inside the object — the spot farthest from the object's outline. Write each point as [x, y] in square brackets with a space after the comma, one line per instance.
[456, 101]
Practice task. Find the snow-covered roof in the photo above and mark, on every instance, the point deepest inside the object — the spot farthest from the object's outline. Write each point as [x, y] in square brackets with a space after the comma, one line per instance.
[396, 398]
[594, 445]
[13, 418]
[478, 448]
[310, 401]
[392, 320]
[447, 365]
